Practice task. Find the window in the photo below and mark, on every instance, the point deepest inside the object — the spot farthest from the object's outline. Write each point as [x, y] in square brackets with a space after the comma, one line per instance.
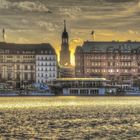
[26, 67]
[18, 76]
[32, 76]
[26, 76]
[18, 67]
[32, 67]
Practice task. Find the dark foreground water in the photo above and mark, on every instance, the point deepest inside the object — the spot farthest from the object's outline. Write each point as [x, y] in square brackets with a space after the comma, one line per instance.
[70, 118]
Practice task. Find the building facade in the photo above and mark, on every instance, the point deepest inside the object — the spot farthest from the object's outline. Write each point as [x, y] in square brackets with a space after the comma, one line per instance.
[115, 61]
[65, 52]
[79, 86]
[46, 68]
[20, 63]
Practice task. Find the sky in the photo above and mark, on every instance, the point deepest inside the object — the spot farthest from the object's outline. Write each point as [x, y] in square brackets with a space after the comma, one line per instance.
[41, 21]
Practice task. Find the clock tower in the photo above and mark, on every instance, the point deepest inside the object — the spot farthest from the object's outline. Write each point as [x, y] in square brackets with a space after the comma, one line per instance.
[65, 52]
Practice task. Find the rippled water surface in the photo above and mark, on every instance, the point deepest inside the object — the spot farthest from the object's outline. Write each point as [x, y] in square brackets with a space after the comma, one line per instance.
[72, 118]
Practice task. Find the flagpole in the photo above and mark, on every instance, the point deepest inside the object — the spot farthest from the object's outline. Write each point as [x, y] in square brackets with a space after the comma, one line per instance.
[3, 35]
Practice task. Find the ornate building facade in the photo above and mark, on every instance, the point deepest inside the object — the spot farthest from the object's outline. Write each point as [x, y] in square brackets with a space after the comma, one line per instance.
[27, 63]
[65, 52]
[116, 61]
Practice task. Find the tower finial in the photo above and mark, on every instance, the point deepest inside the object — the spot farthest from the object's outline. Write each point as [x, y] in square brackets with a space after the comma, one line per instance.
[64, 25]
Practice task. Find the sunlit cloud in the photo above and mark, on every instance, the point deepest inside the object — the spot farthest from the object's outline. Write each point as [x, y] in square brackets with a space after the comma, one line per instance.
[30, 6]
[71, 12]
[48, 26]
[30, 21]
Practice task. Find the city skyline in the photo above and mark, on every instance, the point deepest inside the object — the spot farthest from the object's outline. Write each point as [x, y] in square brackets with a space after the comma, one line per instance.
[42, 21]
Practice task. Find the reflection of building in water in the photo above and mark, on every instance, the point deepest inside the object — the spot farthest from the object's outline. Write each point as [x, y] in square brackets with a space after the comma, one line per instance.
[27, 63]
[116, 61]
[65, 52]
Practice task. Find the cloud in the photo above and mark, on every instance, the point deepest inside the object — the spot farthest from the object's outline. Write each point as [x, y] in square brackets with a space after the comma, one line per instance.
[25, 6]
[47, 26]
[120, 1]
[133, 32]
[76, 41]
[22, 40]
[31, 6]
[71, 12]
[82, 16]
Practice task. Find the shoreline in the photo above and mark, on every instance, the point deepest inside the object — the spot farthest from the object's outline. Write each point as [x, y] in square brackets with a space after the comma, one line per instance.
[69, 96]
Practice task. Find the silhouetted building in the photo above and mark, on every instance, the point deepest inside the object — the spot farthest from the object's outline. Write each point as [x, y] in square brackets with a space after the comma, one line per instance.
[65, 52]
[115, 61]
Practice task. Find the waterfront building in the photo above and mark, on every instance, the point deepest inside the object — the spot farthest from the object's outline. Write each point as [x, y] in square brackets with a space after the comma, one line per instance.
[80, 86]
[27, 63]
[46, 66]
[65, 52]
[115, 61]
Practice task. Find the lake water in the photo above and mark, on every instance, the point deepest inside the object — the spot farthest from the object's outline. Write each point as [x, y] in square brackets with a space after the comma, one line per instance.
[70, 118]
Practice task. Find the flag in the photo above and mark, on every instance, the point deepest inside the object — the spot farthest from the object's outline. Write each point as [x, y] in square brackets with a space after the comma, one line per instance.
[92, 33]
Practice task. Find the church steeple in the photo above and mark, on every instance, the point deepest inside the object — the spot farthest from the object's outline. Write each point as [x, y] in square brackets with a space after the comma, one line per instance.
[65, 36]
[65, 53]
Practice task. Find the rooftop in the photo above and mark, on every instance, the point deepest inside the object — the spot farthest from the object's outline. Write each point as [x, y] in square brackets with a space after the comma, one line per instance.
[100, 46]
[14, 48]
[80, 79]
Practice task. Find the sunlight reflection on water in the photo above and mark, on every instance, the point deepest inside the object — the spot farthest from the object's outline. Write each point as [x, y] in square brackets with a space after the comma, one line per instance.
[30, 102]
[101, 118]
